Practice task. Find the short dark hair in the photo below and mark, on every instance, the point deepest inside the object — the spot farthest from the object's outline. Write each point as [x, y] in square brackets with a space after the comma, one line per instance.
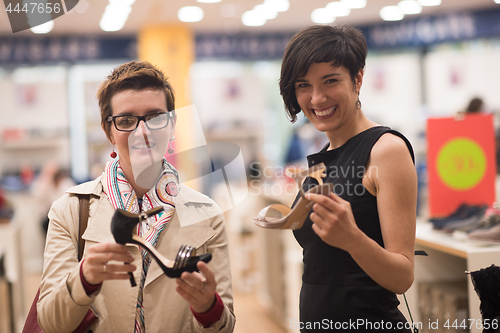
[475, 105]
[343, 45]
[136, 75]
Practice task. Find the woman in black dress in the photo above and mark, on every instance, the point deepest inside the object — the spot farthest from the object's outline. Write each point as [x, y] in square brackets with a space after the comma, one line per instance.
[359, 241]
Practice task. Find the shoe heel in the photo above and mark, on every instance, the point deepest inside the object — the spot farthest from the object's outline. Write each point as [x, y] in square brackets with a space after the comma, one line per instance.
[317, 172]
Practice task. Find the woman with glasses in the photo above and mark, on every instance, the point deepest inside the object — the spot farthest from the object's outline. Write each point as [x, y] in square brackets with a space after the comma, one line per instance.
[138, 117]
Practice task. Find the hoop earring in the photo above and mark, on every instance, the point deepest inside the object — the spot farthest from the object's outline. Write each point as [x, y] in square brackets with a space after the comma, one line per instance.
[170, 148]
[113, 153]
[358, 104]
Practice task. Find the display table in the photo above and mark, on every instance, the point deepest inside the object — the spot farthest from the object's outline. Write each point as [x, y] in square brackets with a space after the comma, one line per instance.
[449, 259]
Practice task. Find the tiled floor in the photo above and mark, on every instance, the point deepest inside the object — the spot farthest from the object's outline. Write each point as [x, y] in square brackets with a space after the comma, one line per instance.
[250, 316]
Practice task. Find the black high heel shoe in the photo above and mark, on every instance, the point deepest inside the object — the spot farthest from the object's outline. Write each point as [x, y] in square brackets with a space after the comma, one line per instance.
[122, 226]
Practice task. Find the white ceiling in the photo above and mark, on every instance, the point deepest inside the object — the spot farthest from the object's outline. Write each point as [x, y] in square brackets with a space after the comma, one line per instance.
[148, 12]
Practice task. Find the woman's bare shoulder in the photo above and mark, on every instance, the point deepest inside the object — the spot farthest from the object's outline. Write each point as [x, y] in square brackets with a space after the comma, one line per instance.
[389, 146]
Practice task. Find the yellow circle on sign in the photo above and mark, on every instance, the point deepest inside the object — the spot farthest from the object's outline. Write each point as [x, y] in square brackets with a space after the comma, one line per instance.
[461, 164]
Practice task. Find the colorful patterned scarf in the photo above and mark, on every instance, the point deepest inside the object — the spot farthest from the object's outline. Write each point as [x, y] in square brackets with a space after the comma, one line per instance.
[121, 195]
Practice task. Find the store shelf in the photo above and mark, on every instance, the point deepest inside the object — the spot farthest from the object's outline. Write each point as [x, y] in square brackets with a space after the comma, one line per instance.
[446, 243]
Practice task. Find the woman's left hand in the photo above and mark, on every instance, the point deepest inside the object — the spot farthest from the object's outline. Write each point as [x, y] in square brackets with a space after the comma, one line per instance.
[333, 220]
[197, 289]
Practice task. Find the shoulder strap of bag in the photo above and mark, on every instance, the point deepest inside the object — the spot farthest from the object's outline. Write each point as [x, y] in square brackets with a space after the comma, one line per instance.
[84, 219]
[413, 325]
[31, 324]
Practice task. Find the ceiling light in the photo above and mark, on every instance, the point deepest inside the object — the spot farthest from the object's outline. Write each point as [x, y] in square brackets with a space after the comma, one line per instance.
[410, 7]
[497, 1]
[111, 25]
[322, 16]
[111, 22]
[252, 19]
[338, 9]
[266, 11]
[114, 17]
[209, 1]
[116, 10]
[278, 5]
[190, 14]
[430, 2]
[354, 4]
[43, 28]
[391, 13]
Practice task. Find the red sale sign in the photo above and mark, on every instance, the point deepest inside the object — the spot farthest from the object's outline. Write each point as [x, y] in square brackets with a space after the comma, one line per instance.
[460, 162]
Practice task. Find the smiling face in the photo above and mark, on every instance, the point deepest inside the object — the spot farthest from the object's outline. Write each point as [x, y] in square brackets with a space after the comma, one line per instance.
[327, 96]
[142, 147]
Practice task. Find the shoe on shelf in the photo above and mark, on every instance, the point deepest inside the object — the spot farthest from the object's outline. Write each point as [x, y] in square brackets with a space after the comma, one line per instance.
[473, 223]
[490, 235]
[293, 218]
[456, 214]
[464, 211]
[122, 228]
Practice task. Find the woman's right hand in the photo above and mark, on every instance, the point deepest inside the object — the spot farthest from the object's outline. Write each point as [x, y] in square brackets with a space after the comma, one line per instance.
[96, 269]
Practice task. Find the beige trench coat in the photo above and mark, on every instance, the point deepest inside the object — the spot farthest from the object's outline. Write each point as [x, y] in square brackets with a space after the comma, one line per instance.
[63, 301]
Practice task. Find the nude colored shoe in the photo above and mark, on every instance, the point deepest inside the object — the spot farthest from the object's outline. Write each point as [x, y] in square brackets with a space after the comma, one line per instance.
[293, 218]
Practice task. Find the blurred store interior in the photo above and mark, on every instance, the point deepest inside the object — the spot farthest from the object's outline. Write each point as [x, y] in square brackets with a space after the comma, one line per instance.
[224, 64]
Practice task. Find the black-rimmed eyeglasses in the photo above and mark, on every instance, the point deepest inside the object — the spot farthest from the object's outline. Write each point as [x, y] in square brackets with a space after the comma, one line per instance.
[128, 123]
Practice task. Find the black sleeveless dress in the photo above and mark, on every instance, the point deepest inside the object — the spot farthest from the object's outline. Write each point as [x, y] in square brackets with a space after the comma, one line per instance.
[336, 294]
